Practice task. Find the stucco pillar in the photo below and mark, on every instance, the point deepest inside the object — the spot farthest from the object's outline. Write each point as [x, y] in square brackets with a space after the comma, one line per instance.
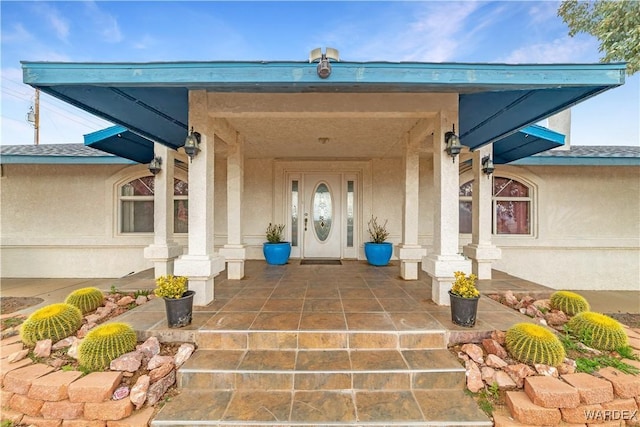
[163, 251]
[235, 251]
[409, 252]
[444, 260]
[481, 251]
[201, 264]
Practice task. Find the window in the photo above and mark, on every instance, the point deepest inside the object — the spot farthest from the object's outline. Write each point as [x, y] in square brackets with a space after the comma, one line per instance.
[511, 207]
[136, 206]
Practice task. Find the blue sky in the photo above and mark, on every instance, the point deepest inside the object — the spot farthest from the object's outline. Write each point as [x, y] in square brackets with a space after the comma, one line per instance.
[430, 31]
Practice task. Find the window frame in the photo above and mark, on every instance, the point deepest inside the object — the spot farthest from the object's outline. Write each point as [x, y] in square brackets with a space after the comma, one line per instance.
[531, 199]
[123, 178]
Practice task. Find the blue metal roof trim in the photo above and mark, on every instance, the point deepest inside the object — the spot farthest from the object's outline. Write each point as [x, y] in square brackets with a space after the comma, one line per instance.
[62, 160]
[526, 142]
[496, 100]
[120, 141]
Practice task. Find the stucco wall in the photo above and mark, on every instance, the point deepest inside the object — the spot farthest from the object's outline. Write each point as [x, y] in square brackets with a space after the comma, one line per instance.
[59, 221]
[587, 228]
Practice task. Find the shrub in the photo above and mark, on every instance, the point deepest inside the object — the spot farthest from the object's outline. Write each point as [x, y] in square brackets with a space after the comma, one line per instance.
[378, 233]
[86, 299]
[55, 322]
[531, 343]
[105, 343]
[170, 286]
[465, 286]
[598, 331]
[568, 302]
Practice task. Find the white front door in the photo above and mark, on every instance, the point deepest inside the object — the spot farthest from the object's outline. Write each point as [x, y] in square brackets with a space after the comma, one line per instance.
[322, 215]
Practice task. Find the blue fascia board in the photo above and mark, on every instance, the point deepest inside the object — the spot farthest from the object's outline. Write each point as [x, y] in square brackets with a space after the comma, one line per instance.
[13, 159]
[543, 132]
[577, 161]
[449, 76]
[99, 135]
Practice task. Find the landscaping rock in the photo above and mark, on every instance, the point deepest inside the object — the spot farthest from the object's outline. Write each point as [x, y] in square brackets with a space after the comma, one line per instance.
[157, 361]
[126, 300]
[474, 351]
[43, 348]
[150, 347]
[184, 353]
[17, 355]
[66, 342]
[141, 299]
[160, 372]
[492, 346]
[138, 393]
[129, 362]
[474, 377]
[519, 372]
[157, 389]
[495, 362]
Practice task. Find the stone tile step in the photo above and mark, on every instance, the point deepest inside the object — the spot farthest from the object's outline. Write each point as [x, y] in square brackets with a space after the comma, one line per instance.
[305, 408]
[321, 370]
[327, 340]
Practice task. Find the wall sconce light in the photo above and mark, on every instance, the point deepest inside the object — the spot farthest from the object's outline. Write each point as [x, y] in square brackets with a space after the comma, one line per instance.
[452, 142]
[324, 67]
[487, 166]
[192, 144]
[155, 165]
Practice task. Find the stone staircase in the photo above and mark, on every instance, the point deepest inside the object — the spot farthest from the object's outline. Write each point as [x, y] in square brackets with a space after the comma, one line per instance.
[309, 377]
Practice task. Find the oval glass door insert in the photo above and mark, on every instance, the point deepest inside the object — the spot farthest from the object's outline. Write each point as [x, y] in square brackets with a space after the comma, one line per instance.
[322, 212]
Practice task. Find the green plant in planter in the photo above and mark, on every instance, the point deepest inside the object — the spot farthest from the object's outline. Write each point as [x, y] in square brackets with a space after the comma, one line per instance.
[531, 343]
[86, 299]
[598, 331]
[54, 321]
[275, 233]
[105, 343]
[378, 233]
[170, 286]
[465, 286]
[568, 302]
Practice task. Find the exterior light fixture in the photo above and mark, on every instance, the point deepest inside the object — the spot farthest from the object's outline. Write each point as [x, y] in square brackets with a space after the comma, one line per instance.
[155, 165]
[192, 144]
[324, 67]
[487, 166]
[452, 142]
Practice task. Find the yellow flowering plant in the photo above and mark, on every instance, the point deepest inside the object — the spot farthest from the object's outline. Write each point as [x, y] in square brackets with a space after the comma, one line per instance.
[170, 286]
[465, 286]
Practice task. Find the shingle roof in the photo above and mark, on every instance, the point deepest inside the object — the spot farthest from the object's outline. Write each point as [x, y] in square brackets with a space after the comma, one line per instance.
[56, 154]
[597, 151]
[66, 150]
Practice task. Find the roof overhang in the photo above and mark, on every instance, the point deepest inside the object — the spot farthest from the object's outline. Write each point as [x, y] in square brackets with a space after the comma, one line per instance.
[495, 100]
[526, 142]
[120, 141]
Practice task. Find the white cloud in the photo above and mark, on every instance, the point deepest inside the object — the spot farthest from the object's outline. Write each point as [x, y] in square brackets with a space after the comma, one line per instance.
[145, 42]
[59, 24]
[105, 23]
[560, 50]
[16, 34]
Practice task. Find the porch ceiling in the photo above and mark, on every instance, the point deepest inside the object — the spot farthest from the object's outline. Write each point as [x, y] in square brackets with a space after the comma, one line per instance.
[151, 99]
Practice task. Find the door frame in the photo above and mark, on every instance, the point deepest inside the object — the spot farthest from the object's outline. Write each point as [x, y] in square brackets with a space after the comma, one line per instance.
[285, 172]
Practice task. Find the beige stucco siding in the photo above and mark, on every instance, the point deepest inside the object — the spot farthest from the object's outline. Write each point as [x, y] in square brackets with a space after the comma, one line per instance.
[61, 220]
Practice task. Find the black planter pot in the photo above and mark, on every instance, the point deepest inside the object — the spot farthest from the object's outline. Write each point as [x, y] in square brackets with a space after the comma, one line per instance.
[463, 310]
[179, 310]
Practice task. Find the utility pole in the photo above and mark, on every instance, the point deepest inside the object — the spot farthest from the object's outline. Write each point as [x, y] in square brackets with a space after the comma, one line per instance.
[36, 128]
[33, 117]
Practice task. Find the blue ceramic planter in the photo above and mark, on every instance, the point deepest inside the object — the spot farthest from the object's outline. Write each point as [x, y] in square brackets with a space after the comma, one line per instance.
[276, 253]
[378, 254]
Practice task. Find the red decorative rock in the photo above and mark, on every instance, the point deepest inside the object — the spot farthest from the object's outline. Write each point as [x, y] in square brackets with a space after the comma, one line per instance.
[495, 362]
[150, 347]
[504, 381]
[129, 362]
[184, 353]
[161, 372]
[138, 393]
[519, 372]
[474, 377]
[43, 348]
[120, 393]
[159, 388]
[492, 346]
[157, 361]
[474, 351]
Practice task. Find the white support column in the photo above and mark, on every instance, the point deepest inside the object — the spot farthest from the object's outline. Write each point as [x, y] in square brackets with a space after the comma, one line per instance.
[235, 251]
[409, 252]
[201, 264]
[163, 251]
[444, 260]
[481, 251]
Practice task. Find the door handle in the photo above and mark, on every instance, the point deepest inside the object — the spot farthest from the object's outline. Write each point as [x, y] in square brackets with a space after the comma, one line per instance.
[305, 223]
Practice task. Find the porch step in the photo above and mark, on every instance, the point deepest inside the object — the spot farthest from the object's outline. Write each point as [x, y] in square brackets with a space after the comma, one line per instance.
[321, 340]
[308, 370]
[320, 387]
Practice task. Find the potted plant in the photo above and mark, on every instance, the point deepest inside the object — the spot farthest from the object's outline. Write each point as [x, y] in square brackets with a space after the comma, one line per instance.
[276, 251]
[378, 251]
[464, 298]
[178, 300]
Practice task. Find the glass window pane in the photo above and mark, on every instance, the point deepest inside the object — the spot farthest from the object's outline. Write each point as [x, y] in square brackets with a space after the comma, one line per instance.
[466, 189]
[139, 187]
[505, 187]
[322, 212]
[294, 213]
[512, 217]
[137, 217]
[350, 199]
[180, 188]
[465, 217]
[180, 216]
